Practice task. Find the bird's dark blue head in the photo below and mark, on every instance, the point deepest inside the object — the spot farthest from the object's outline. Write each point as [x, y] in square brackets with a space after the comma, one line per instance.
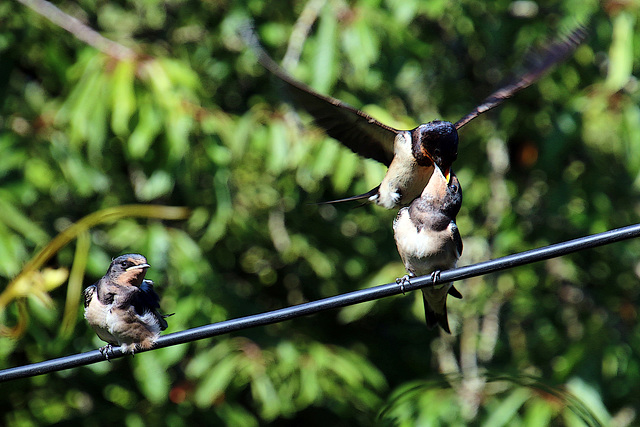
[436, 141]
[128, 269]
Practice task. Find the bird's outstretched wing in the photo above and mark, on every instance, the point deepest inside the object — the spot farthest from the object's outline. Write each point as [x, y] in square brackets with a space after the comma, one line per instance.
[357, 130]
[539, 63]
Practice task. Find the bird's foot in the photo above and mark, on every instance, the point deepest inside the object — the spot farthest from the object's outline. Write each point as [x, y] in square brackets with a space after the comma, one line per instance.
[435, 277]
[129, 348]
[402, 281]
[396, 196]
[106, 350]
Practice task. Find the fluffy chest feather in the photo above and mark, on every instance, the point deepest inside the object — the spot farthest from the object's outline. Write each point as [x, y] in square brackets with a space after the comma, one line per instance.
[405, 179]
[424, 249]
[97, 314]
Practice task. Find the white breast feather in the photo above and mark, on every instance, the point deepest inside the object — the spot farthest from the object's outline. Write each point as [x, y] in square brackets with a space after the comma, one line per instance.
[422, 252]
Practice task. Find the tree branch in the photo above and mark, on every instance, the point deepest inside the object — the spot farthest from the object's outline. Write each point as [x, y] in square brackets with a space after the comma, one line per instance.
[79, 30]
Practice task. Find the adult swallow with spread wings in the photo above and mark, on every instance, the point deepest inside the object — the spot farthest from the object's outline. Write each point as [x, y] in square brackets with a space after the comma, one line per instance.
[428, 241]
[122, 307]
[408, 154]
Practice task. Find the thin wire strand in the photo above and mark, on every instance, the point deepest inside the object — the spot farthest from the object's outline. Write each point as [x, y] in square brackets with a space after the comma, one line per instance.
[369, 294]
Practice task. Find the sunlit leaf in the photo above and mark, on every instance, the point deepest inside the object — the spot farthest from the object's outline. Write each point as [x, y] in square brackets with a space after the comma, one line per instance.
[123, 97]
[621, 53]
[152, 378]
[324, 60]
[508, 407]
[148, 127]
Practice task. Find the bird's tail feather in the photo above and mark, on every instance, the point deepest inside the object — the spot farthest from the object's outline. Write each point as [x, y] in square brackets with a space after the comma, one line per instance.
[435, 308]
[366, 195]
[163, 323]
[454, 292]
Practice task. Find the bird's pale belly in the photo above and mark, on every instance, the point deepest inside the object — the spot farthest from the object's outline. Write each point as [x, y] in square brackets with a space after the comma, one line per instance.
[423, 252]
[97, 314]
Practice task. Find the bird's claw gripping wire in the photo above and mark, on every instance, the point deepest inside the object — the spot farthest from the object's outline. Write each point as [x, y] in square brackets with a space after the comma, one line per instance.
[435, 277]
[106, 350]
[402, 281]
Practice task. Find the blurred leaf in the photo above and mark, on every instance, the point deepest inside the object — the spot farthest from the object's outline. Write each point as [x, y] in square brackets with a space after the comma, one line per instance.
[157, 185]
[235, 415]
[538, 413]
[324, 59]
[586, 397]
[264, 392]
[279, 153]
[34, 283]
[361, 44]
[123, 96]
[148, 127]
[325, 159]
[152, 378]
[344, 171]
[216, 381]
[15, 219]
[621, 53]
[507, 409]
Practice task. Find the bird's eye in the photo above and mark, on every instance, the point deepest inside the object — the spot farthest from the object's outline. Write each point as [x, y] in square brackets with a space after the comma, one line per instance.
[436, 151]
[454, 188]
[124, 264]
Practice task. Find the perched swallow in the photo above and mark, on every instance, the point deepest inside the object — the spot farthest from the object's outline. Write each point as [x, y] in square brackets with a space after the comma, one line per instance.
[122, 306]
[428, 241]
[408, 154]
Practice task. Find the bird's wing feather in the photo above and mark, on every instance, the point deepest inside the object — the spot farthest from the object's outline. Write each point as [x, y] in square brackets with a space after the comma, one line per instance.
[88, 294]
[148, 296]
[540, 63]
[357, 130]
[455, 232]
[147, 300]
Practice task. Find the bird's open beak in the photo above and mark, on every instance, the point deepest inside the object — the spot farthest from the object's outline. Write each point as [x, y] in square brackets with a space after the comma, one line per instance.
[134, 267]
[447, 175]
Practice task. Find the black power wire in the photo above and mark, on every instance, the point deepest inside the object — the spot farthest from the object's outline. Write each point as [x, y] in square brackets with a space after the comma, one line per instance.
[343, 300]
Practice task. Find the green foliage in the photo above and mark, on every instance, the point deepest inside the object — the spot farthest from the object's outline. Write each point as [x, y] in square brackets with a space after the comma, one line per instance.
[192, 121]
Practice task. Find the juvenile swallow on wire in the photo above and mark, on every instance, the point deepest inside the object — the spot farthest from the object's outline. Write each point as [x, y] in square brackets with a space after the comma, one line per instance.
[122, 307]
[408, 154]
[428, 241]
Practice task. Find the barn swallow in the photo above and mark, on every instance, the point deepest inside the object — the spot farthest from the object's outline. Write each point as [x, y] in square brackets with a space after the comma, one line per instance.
[408, 154]
[122, 306]
[428, 241]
